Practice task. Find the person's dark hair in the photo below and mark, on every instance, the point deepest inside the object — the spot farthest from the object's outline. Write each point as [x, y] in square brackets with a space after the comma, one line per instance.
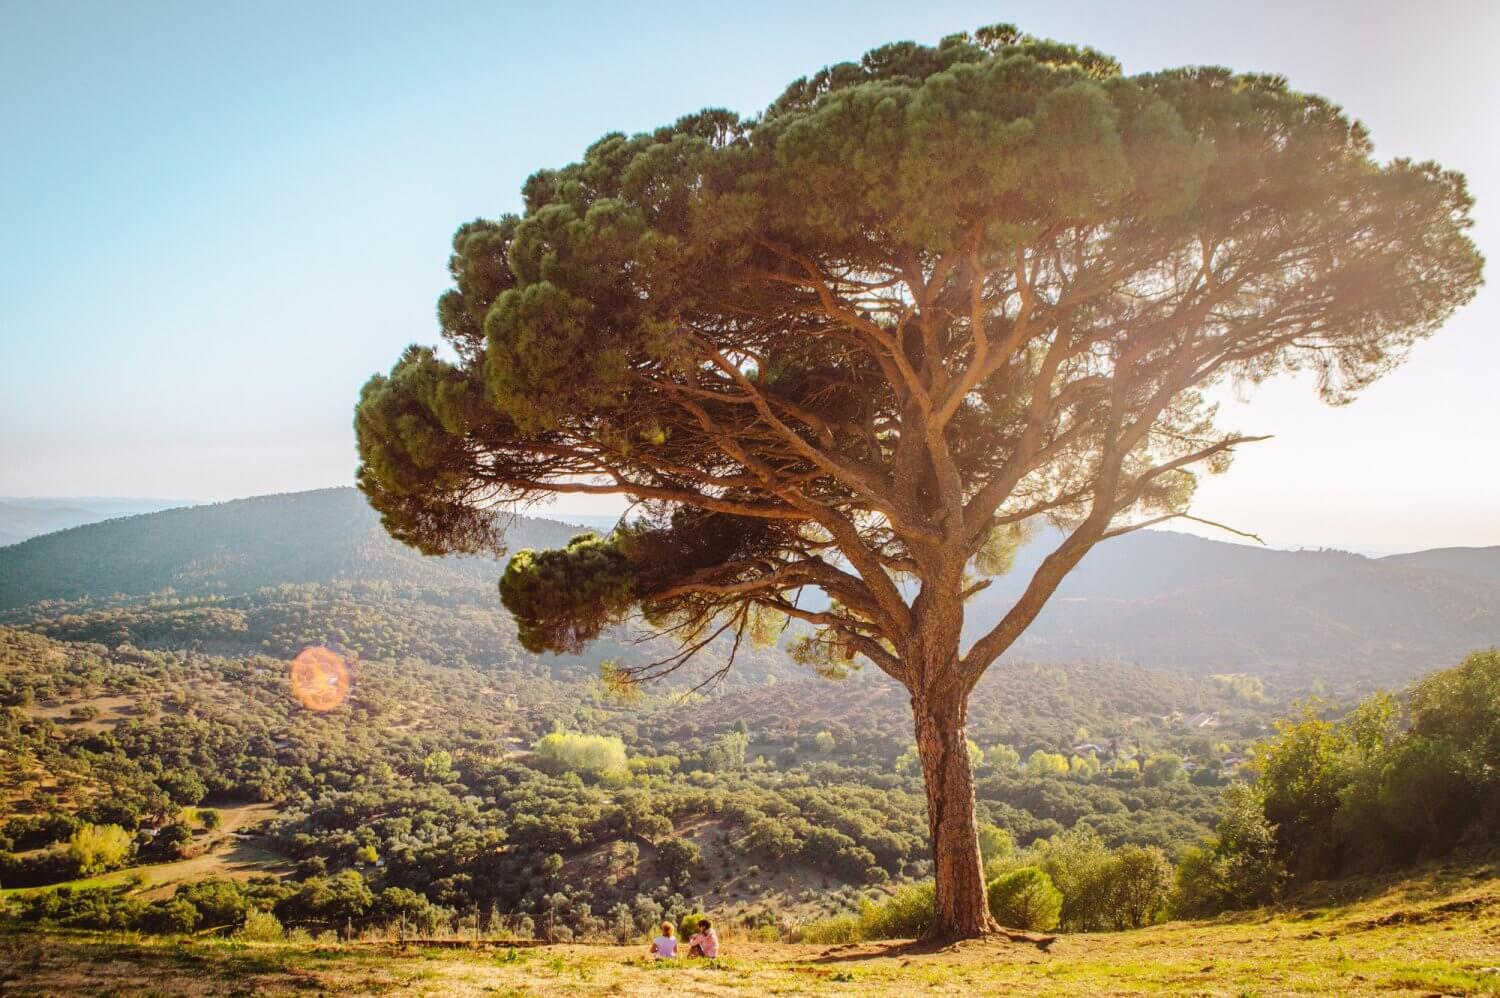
[704, 924]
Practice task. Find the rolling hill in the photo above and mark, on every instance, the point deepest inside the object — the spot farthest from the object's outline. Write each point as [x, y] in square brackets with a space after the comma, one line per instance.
[1481, 563]
[1172, 600]
[327, 535]
[1155, 598]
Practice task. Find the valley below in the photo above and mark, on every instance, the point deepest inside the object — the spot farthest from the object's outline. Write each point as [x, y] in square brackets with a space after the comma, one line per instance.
[469, 817]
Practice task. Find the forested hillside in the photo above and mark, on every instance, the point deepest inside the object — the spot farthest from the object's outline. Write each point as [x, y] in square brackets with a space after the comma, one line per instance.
[1166, 600]
[235, 547]
[1172, 600]
[146, 698]
[777, 803]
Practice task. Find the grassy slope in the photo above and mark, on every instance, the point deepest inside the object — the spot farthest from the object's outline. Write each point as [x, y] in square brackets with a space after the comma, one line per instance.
[1433, 933]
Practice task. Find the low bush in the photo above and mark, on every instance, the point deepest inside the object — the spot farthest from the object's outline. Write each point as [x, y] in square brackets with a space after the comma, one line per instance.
[835, 929]
[906, 914]
[1025, 899]
[262, 927]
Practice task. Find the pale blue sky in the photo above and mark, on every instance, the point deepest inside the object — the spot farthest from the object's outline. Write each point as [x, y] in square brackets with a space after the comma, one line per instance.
[219, 219]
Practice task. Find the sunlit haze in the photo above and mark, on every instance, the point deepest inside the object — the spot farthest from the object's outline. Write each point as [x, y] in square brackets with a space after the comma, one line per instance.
[221, 219]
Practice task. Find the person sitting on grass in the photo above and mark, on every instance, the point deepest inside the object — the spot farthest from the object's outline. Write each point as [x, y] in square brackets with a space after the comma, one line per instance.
[664, 946]
[705, 941]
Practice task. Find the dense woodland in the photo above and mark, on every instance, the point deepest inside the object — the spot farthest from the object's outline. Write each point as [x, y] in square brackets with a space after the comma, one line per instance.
[466, 781]
[1301, 621]
[791, 797]
[526, 800]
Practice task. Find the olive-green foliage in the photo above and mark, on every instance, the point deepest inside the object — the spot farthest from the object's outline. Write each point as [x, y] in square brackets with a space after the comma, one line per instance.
[85, 908]
[175, 915]
[1100, 888]
[1044, 763]
[1238, 867]
[688, 925]
[331, 901]
[438, 766]
[1462, 706]
[208, 904]
[564, 598]
[1079, 864]
[1141, 882]
[97, 848]
[1303, 772]
[995, 844]
[409, 910]
[727, 754]
[219, 903]
[262, 927]
[183, 787]
[835, 929]
[1359, 792]
[1161, 769]
[680, 860]
[905, 914]
[1003, 758]
[1025, 899]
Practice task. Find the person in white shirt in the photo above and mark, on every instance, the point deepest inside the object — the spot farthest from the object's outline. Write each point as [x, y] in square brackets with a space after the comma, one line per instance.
[664, 946]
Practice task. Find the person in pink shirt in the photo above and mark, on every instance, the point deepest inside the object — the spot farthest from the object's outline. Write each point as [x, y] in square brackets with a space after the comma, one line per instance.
[705, 941]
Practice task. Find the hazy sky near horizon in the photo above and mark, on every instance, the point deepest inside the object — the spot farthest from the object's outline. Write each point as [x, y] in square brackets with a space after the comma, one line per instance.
[220, 219]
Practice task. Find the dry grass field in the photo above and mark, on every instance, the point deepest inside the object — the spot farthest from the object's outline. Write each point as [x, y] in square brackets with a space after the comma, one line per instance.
[1435, 933]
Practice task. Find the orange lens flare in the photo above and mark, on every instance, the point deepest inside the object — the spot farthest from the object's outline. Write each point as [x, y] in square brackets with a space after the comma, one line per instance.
[320, 678]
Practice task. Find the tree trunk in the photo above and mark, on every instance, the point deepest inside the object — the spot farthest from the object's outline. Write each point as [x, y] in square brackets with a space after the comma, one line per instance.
[962, 907]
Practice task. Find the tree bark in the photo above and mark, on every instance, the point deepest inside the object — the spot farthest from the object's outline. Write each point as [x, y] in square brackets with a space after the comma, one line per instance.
[961, 904]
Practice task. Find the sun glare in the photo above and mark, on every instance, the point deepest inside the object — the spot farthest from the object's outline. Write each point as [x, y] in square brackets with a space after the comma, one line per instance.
[320, 678]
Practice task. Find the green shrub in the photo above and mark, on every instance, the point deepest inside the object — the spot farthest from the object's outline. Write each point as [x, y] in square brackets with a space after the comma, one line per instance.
[1140, 885]
[83, 908]
[173, 915]
[689, 924]
[995, 844]
[219, 902]
[566, 751]
[1079, 864]
[262, 927]
[834, 929]
[1025, 899]
[97, 848]
[906, 914]
[1238, 867]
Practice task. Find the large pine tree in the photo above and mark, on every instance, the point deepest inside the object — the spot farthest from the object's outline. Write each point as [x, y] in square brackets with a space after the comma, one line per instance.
[858, 343]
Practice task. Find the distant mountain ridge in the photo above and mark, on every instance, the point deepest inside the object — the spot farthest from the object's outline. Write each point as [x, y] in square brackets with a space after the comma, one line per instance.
[1175, 600]
[326, 535]
[22, 518]
[1483, 563]
[1153, 598]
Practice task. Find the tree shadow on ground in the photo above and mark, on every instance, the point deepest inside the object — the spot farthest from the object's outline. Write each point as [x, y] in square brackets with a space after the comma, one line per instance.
[1014, 943]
